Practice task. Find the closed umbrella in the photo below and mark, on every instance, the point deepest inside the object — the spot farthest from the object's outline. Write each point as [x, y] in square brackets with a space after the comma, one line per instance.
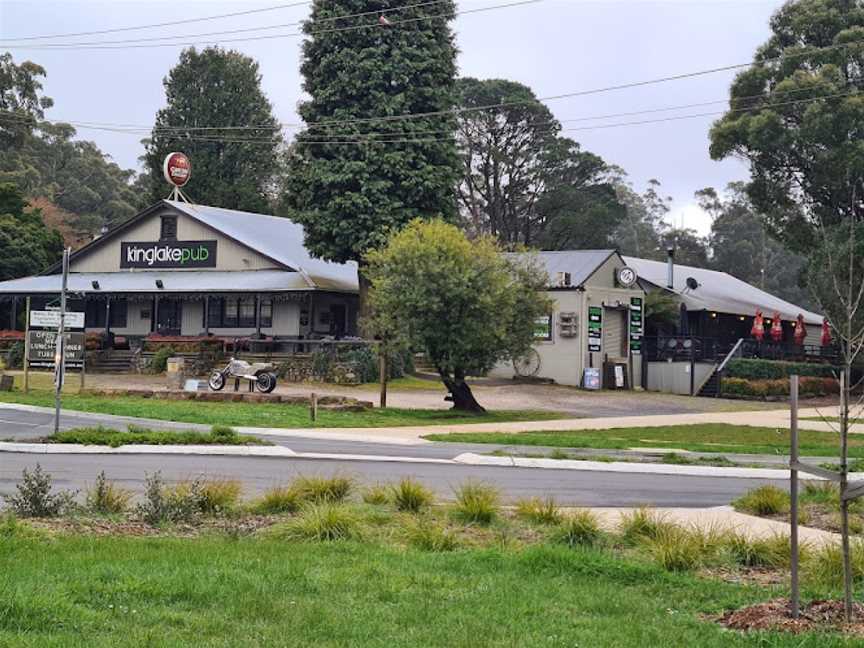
[800, 330]
[826, 332]
[758, 330]
[776, 328]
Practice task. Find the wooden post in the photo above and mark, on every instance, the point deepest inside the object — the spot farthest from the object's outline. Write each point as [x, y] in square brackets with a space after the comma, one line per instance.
[27, 348]
[257, 315]
[207, 315]
[382, 375]
[793, 491]
[313, 406]
[844, 484]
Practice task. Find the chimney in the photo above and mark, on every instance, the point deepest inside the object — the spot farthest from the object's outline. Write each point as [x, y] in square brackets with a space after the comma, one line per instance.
[670, 264]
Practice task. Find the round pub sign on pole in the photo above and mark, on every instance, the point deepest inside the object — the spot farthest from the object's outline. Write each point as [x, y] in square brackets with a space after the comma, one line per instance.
[177, 171]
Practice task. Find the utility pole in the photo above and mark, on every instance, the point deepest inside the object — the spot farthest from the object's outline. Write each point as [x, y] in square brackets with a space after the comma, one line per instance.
[60, 352]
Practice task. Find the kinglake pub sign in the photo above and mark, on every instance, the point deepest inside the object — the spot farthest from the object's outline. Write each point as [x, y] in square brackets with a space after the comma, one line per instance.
[168, 254]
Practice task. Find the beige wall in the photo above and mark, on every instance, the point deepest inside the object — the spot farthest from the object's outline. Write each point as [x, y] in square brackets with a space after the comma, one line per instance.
[229, 255]
[286, 318]
[564, 359]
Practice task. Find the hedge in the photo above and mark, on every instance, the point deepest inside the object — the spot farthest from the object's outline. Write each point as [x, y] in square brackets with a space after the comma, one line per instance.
[755, 369]
[807, 386]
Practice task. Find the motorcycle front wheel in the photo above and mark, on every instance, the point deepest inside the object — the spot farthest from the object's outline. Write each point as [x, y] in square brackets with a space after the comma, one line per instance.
[216, 380]
[266, 382]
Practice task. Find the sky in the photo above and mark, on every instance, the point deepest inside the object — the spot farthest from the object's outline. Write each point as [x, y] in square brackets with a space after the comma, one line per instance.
[553, 46]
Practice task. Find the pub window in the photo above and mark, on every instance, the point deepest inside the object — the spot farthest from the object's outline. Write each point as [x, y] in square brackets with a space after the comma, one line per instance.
[119, 312]
[94, 314]
[168, 231]
[266, 313]
[217, 305]
[247, 312]
[543, 328]
[229, 313]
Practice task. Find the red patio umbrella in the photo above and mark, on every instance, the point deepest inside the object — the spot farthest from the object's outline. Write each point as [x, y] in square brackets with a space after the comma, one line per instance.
[800, 330]
[776, 328]
[826, 332]
[758, 330]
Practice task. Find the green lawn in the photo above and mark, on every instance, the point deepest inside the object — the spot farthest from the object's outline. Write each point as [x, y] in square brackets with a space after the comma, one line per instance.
[262, 414]
[214, 591]
[705, 437]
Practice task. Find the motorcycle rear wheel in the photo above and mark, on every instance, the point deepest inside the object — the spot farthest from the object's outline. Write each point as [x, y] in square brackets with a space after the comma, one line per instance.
[266, 382]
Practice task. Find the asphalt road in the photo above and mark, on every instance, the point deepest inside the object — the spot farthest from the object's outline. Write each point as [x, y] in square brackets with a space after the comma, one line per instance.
[257, 474]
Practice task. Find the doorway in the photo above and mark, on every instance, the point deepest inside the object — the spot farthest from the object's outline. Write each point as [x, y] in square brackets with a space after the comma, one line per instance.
[170, 317]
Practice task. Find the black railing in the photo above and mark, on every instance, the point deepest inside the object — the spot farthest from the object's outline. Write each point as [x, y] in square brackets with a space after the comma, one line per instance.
[702, 349]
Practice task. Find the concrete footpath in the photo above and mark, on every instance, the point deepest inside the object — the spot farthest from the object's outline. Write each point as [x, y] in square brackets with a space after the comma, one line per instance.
[722, 518]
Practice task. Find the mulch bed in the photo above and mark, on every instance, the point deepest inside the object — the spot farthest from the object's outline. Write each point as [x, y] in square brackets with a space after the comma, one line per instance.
[775, 615]
[246, 525]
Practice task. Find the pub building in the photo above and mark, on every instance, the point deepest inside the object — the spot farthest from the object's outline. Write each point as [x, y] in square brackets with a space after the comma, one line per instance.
[185, 271]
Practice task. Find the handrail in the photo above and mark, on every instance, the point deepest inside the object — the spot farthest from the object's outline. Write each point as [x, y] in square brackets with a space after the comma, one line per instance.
[729, 355]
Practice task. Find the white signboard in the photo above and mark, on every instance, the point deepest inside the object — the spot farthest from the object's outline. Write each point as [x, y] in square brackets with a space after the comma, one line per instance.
[51, 319]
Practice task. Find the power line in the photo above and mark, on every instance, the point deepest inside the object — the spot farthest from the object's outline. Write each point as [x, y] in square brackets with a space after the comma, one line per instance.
[240, 31]
[413, 140]
[372, 25]
[162, 24]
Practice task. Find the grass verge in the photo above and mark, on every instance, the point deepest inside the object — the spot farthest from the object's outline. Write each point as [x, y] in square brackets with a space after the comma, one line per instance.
[218, 435]
[704, 437]
[277, 415]
[265, 591]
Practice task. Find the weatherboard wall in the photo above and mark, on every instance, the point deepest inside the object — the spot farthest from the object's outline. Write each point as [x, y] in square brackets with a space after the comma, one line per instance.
[230, 255]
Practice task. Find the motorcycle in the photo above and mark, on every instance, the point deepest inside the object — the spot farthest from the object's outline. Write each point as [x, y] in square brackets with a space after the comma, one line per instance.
[261, 374]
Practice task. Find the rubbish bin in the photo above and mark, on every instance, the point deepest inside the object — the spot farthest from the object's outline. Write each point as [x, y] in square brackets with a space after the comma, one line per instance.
[615, 375]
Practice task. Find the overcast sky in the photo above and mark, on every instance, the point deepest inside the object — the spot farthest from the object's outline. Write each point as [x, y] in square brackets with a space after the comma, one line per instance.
[554, 46]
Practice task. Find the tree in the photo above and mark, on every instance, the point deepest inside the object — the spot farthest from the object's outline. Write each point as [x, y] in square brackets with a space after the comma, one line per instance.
[641, 232]
[27, 247]
[462, 302]
[521, 181]
[21, 103]
[796, 116]
[218, 90]
[47, 164]
[387, 170]
[741, 245]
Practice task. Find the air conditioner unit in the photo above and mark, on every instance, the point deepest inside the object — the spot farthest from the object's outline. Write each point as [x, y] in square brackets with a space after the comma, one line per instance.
[563, 279]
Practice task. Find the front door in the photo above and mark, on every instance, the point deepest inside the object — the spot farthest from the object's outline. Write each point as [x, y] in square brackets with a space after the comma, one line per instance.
[169, 317]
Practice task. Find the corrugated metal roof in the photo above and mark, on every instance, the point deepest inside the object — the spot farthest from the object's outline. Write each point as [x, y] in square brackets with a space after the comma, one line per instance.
[718, 291]
[277, 238]
[581, 264]
[173, 282]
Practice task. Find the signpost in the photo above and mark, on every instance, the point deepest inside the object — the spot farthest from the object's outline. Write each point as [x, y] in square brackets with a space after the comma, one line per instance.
[60, 356]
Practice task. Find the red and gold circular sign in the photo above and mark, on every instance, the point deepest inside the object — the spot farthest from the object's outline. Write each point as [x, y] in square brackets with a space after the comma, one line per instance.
[177, 169]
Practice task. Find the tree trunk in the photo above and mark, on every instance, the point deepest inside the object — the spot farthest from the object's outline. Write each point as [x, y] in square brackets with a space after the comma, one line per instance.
[460, 394]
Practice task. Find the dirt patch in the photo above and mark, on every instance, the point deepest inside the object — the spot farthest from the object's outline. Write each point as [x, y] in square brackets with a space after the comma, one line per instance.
[775, 615]
[107, 527]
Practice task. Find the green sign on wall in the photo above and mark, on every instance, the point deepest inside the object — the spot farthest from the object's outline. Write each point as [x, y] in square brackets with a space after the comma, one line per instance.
[595, 329]
[636, 325]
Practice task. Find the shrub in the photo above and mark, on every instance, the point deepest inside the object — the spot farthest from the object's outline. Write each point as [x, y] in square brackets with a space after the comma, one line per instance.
[825, 566]
[477, 503]
[807, 386]
[107, 498]
[218, 495]
[640, 525]
[429, 535]
[183, 502]
[824, 492]
[35, 497]
[323, 489]
[364, 360]
[579, 528]
[15, 356]
[539, 511]
[159, 361]
[774, 551]
[676, 549]
[224, 434]
[376, 495]
[410, 495]
[756, 369]
[325, 523]
[281, 499]
[765, 500]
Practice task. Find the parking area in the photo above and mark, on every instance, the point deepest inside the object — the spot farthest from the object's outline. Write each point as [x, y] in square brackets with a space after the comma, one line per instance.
[494, 395]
